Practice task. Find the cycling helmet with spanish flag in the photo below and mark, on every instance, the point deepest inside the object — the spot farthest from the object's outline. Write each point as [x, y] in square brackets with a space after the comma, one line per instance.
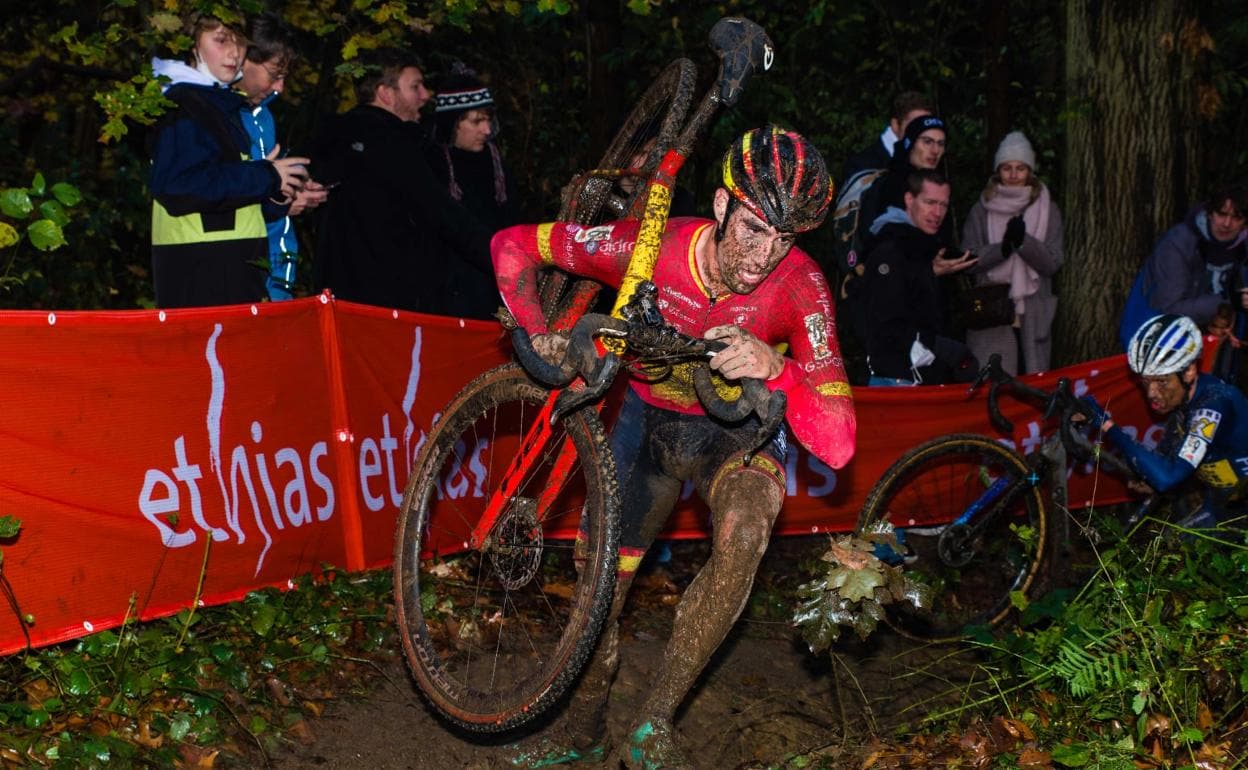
[780, 177]
[1164, 344]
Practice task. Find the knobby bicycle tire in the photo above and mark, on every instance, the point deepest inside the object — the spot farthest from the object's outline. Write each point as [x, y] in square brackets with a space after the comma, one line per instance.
[925, 490]
[589, 200]
[495, 635]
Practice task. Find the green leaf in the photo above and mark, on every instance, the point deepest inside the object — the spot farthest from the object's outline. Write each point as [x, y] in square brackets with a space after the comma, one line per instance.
[37, 719]
[66, 193]
[1190, 735]
[9, 526]
[179, 726]
[46, 235]
[8, 235]
[54, 211]
[38, 185]
[79, 683]
[15, 203]
[1072, 755]
[165, 22]
[1138, 703]
[262, 620]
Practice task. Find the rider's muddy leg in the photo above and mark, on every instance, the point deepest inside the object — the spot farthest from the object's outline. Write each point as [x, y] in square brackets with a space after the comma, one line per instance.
[744, 502]
[586, 716]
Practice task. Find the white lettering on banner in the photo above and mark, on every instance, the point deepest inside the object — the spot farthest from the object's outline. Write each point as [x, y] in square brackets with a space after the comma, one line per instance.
[813, 463]
[160, 499]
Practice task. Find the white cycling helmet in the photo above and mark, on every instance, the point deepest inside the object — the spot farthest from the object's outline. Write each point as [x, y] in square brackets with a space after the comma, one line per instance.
[1164, 344]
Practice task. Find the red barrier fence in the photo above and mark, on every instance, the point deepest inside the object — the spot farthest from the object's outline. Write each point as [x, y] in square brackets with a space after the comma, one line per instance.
[252, 444]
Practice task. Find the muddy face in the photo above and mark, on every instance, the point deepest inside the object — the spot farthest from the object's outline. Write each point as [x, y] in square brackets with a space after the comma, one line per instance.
[748, 252]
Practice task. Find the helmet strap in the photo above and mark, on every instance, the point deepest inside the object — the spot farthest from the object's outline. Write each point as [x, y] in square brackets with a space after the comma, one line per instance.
[721, 226]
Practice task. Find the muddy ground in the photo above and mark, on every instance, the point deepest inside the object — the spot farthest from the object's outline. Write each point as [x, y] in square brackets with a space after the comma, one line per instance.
[765, 700]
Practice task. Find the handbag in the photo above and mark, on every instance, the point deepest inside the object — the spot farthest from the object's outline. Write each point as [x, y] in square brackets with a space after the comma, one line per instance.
[983, 307]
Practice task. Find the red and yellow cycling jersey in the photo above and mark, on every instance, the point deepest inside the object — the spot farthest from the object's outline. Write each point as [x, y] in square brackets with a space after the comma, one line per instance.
[790, 310]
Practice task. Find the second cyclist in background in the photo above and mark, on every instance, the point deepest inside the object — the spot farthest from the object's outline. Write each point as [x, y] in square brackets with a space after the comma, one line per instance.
[1207, 430]
[738, 279]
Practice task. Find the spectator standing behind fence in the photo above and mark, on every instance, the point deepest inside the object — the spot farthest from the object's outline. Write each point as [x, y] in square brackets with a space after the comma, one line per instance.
[1015, 229]
[209, 200]
[389, 233]
[922, 147]
[270, 54]
[1194, 269]
[904, 312]
[465, 158]
[879, 154]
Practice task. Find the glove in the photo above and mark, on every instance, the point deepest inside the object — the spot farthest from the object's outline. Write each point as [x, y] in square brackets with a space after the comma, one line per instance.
[1094, 410]
[1015, 232]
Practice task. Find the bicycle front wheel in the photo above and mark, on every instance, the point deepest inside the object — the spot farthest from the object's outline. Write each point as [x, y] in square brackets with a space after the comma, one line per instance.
[973, 566]
[495, 633]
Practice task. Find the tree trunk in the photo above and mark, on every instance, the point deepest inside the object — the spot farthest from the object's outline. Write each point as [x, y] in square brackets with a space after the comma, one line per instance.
[1129, 169]
[997, 88]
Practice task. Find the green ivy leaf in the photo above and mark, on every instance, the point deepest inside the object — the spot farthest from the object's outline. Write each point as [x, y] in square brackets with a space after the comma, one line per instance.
[79, 683]
[38, 185]
[179, 726]
[37, 719]
[1190, 735]
[15, 202]
[46, 235]
[66, 193]
[54, 211]
[8, 235]
[262, 620]
[9, 526]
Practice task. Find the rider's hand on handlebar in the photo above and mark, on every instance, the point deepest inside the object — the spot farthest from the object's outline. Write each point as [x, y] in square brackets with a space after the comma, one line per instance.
[1102, 416]
[551, 346]
[745, 356]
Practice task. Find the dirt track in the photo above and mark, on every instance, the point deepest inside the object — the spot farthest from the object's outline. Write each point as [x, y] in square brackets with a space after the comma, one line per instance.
[764, 699]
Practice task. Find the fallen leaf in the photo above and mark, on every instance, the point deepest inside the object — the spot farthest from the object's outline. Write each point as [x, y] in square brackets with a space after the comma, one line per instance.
[302, 732]
[1034, 759]
[38, 690]
[194, 757]
[314, 708]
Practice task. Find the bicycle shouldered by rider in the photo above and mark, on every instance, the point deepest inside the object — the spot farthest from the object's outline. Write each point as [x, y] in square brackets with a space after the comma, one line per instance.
[739, 279]
[1207, 430]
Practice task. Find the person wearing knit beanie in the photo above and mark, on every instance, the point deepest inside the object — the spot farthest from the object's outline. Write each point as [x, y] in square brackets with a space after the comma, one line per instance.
[466, 159]
[923, 144]
[1016, 147]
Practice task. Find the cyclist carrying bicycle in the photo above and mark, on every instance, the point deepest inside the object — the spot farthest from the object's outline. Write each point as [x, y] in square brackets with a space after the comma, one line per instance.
[1207, 433]
[738, 279]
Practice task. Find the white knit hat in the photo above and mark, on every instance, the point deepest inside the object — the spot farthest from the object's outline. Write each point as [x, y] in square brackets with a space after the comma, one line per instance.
[1015, 147]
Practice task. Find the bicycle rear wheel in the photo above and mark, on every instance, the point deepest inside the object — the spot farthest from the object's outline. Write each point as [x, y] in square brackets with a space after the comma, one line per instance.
[931, 486]
[652, 128]
[590, 198]
[495, 634]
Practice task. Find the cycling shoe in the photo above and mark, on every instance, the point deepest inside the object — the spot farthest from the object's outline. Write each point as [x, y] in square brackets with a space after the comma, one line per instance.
[550, 752]
[652, 747]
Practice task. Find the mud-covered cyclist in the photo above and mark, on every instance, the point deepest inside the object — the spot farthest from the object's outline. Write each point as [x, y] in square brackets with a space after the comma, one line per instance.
[1207, 426]
[738, 279]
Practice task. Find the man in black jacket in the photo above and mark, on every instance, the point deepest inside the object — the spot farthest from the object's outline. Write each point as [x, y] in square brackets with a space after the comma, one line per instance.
[904, 312]
[390, 234]
[879, 154]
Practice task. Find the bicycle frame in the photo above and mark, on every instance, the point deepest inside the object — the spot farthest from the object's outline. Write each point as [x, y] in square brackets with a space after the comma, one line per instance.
[742, 47]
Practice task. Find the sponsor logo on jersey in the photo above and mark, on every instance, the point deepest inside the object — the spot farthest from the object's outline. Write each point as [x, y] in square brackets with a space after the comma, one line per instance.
[1193, 450]
[817, 333]
[1205, 423]
[591, 234]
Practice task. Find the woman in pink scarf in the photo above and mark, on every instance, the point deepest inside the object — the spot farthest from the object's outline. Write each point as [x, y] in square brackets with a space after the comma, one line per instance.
[1016, 230]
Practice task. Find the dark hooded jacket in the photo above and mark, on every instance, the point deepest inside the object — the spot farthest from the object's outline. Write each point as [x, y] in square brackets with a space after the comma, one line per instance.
[390, 234]
[1189, 273]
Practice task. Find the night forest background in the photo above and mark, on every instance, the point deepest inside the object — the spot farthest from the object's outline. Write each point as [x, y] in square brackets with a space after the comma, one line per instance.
[1135, 109]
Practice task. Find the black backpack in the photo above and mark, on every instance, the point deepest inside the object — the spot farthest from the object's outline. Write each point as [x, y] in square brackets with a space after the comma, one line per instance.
[855, 208]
